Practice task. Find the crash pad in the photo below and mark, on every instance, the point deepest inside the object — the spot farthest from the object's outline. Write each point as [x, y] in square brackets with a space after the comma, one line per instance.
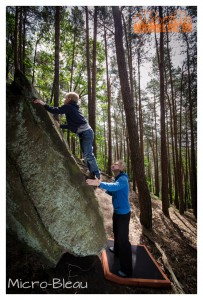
[146, 271]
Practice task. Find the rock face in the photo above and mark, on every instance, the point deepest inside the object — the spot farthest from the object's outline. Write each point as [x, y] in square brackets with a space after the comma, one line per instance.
[49, 206]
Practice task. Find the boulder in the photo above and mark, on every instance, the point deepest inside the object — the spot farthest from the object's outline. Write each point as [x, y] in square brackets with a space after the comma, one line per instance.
[49, 206]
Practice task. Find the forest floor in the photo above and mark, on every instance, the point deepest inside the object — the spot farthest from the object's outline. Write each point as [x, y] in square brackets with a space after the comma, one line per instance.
[172, 242]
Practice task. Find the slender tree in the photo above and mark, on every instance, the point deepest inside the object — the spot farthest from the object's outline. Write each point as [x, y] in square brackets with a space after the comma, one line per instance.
[141, 133]
[24, 38]
[109, 106]
[73, 59]
[175, 129]
[193, 172]
[164, 169]
[20, 38]
[180, 168]
[77, 22]
[156, 152]
[136, 158]
[57, 50]
[89, 85]
[16, 63]
[34, 61]
[92, 117]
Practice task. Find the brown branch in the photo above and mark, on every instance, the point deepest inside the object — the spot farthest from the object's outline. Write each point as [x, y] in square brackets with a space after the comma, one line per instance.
[177, 286]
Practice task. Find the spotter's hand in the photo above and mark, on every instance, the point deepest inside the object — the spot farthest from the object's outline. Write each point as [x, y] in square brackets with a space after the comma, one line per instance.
[94, 182]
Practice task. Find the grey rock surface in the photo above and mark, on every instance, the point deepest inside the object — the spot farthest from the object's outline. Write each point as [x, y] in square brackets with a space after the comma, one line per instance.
[49, 205]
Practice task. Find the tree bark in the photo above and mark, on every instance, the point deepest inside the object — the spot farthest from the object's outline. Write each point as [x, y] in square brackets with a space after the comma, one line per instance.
[57, 49]
[180, 171]
[187, 164]
[170, 185]
[109, 163]
[24, 38]
[116, 136]
[140, 108]
[20, 38]
[89, 86]
[156, 167]
[173, 150]
[34, 61]
[16, 65]
[193, 171]
[137, 163]
[92, 118]
[164, 163]
[72, 64]
[105, 145]
[178, 179]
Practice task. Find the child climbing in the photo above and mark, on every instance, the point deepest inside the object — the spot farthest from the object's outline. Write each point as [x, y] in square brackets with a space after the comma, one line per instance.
[77, 123]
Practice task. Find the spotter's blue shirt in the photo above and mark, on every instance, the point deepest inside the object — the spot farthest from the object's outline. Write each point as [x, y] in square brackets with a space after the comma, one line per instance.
[119, 190]
[74, 117]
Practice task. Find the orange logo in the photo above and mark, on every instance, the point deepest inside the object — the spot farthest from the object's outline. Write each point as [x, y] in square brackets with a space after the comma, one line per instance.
[148, 22]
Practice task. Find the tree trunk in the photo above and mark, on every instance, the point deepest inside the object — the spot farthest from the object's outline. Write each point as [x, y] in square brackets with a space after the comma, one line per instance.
[187, 191]
[170, 185]
[136, 158]
[57, 49]
[20, 38]
[16, 65]
[34, 61]
[92, 119]
[109, 108]
[164, 163]
[24, 38]
[156, 167]
[72, 64]
[128, 151]
[193, 171]
[105, 146]
[129, 49]
[89, 86]
[178, 179]
[140, 109]
[149, 172]
[173, 148]
[116, 136]
[180, 173]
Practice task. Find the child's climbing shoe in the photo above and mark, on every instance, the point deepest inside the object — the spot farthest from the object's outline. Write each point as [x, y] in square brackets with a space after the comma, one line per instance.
[89, 175]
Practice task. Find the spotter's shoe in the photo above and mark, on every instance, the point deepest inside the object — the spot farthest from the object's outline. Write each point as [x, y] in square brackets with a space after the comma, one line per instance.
[122, 274]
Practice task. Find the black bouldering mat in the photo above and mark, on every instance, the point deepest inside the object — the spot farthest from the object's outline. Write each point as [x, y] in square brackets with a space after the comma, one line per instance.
[146, 271]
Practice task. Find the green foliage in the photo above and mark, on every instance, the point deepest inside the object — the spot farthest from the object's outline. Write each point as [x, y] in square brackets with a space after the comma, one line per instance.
[39, 67]
[146, 162]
